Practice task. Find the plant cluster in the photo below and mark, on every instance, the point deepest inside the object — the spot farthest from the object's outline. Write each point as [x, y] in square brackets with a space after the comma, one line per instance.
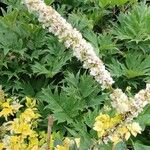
[36, 64]
[19, 127]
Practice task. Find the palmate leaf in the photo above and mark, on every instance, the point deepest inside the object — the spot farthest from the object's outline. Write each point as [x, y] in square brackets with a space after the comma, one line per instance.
[86, 140]
[64, 108]
[84, 88]
[39, 69]
[80, 21]
[116, 68]
[107, 46]
[135, 65]
[52, 59]
[90, 116]
[133, 27]
[8, 35]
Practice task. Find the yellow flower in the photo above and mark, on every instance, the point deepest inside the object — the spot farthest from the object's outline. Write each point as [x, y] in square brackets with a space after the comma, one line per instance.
[124, 132]
[7, 110]
[33, 143]
[134, 128]
[30, 102]
[103, 118]
[5, 104]
[43, 137]
[19, 127]
[1, 146]
[98, 126]
[104, 122]
[34, 148]
[101, 133]
[77, 140]
[58, 147]
[28, 115]
[16, 106]
[16, 143]
[115, 139]
[115, 120]
[21, 133]
[67, 143]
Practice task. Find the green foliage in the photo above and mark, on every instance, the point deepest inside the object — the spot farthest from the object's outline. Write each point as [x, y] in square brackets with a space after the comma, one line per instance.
[121, 146]
[104, 3]
[135, 65]
[27, 51]
[77, 95]
[132, 69]
[138, 146]
[34, 63]
[143, 118]
[133, 28]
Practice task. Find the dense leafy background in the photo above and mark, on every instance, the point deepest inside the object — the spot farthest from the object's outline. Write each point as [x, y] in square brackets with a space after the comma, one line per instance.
[33, 63]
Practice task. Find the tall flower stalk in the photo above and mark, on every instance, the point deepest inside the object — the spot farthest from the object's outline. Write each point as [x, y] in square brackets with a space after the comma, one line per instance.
[71, 38]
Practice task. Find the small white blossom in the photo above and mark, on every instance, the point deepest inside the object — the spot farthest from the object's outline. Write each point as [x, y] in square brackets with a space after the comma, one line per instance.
[120, 101]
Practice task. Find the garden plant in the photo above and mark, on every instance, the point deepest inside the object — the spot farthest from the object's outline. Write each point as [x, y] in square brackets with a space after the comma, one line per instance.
[75, 75]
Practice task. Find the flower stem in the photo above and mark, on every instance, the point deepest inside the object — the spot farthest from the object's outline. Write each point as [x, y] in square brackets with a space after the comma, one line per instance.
[49, 129]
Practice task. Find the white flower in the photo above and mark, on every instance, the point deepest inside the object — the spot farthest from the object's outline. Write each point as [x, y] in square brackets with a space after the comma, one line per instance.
[72, 38]
[120, 101]
[134, 128]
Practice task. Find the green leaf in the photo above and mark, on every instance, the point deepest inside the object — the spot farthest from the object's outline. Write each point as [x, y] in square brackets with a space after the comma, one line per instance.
[80, 21]
[48, 2]
[106, 45]
[105, 147]
[39, 69]
[84, 88]
[90, 116]
[140, 68]
[104, 3]
[116, 68]
[135, 65]
[144, 117]
[64, 108]
[138, 146]
[121, 146]
[85, 139]
[133, 27]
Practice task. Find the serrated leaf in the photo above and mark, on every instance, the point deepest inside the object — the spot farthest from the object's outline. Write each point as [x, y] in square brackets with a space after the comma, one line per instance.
[63, 107]
[39, 69]
[90, 116]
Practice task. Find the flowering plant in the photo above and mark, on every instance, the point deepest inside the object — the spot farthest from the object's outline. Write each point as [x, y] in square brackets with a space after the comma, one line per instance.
[20, 132]
[105, 102]
[85, 52]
